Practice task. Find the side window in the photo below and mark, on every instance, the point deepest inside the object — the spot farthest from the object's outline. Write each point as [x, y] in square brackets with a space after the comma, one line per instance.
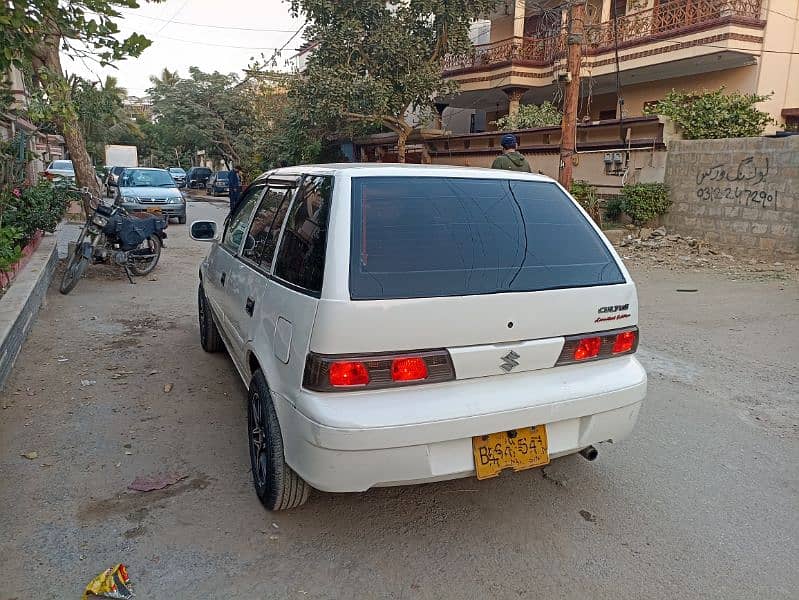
[301, 259]
[237, 225]
[265, 227]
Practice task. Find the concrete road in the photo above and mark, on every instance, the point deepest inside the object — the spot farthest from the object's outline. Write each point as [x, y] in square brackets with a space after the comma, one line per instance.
[700, 503]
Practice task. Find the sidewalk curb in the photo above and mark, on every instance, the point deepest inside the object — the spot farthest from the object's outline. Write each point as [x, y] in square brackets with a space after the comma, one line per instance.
[20, 304]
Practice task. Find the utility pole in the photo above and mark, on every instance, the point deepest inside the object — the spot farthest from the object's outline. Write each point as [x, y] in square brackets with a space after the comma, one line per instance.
[568, 141]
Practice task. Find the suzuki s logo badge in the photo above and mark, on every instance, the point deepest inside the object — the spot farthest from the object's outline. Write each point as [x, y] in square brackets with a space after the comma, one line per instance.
[509, 361]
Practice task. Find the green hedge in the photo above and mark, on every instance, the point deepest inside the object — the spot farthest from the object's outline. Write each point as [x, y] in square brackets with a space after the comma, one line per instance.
[644, 202]
[23, 212]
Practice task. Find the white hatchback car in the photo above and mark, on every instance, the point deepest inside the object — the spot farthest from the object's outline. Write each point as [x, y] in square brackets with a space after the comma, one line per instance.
[404, 324]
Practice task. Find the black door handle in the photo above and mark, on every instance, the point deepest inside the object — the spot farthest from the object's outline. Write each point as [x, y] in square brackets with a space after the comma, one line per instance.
[250, 306]
[222, 279]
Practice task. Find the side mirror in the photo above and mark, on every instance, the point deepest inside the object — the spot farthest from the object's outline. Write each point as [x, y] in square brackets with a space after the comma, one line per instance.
[249, 244]
[203, 231]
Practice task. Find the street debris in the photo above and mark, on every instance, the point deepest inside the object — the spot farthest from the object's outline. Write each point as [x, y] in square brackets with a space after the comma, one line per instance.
[155, 482]
[588, 516]
[111, 583]
[659, 248]
[62, 359]
[168, 388]
[87, 382]
[30, 455]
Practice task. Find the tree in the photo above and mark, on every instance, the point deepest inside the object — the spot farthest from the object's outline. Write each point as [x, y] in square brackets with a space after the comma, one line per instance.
[714, 115]
[101, 114]
[374, 61]
[204, 111]
[33, 33]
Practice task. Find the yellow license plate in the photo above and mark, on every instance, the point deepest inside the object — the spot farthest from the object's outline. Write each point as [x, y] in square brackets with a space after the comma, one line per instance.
[517, 449]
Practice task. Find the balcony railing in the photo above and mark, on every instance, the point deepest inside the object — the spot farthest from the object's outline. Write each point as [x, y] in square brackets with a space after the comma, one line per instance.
[533, 51]
[664, 20]
[670, 18]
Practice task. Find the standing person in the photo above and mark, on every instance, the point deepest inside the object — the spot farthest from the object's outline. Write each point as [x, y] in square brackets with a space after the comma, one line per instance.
[234, 187]
[511, 160]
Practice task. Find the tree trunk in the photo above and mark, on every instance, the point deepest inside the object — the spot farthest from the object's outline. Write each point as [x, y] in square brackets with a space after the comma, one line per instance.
[402, 139]
[59, 93]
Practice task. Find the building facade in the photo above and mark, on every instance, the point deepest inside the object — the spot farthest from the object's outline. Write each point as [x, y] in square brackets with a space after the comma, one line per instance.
[751, 46]
[33, 149]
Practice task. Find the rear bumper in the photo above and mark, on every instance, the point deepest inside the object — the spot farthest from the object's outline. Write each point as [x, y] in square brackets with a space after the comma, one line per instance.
[338, 458]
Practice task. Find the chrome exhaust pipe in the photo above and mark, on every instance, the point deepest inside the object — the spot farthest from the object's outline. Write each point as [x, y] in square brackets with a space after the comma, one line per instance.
[589, 453]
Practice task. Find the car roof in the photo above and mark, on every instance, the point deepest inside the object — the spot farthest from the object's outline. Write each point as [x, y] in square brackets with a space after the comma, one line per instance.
[405, 170]
[145, 168]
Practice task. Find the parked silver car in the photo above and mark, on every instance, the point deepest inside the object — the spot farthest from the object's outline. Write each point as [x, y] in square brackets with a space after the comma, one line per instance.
[141, 189]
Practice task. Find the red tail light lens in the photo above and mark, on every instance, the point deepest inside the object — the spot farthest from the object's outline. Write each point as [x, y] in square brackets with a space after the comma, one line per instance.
[625, 342]
[594, 346]
[408, 369]
[588, 348]
[348, 374]
[328, 373]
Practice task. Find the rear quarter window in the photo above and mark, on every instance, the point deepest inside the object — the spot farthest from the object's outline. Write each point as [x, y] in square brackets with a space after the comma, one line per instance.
[435, 236]
[301, 258]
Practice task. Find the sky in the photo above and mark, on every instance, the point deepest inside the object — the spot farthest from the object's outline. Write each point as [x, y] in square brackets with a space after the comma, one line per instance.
[214, 35]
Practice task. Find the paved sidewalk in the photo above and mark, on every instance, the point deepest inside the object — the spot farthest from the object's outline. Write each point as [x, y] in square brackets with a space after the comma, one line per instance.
[67, 231]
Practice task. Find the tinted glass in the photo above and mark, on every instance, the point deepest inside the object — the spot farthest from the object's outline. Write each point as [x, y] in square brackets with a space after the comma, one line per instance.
[117, 170]
[146, 178]
[424, 237]
[237, 225]
[301, 259]
[222, 175]
[265, 227]
[63, 165]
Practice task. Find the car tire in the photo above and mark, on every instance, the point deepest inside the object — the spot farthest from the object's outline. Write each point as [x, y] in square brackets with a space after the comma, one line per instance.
[277, 485]
[182, 220]
[210, 339]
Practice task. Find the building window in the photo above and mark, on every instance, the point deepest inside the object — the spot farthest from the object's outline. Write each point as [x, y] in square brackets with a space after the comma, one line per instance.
[621, 8]
[605, 115]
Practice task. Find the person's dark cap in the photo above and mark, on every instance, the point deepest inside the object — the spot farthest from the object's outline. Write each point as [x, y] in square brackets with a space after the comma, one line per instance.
[508, 141]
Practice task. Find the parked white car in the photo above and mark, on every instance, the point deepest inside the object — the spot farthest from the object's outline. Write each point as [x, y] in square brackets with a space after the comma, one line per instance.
[404, 324]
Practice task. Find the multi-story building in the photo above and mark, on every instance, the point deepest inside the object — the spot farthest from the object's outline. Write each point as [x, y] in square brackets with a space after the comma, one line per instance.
[751, 46]
[138, 107]
[33, 149]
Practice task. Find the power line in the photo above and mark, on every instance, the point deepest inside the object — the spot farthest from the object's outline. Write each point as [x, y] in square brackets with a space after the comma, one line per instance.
[283, 47]
[204, 43]
[175, 14]
[231, 27]
[753, 50]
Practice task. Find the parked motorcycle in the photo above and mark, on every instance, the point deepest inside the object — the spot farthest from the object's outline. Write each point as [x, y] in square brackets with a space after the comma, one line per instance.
[132, 241]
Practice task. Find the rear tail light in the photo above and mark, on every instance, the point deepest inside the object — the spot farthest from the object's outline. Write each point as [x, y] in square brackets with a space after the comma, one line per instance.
[325, 373]
[348, 374]
[592, 346]
[625, 341]
[588, 348]
[412, 368]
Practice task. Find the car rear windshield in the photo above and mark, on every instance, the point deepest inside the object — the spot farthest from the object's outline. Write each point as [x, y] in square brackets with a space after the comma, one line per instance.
[442, 236]
[222, 175]
[63, 164]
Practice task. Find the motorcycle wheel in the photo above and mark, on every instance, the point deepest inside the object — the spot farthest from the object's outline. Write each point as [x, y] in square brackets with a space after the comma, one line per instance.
[75, 270]
[143, 259]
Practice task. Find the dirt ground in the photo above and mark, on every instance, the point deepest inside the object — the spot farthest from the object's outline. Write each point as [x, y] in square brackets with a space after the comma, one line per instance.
[112, 384]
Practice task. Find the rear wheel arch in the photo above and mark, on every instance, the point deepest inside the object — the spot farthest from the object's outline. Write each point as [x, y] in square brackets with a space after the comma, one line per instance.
[255, 365]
